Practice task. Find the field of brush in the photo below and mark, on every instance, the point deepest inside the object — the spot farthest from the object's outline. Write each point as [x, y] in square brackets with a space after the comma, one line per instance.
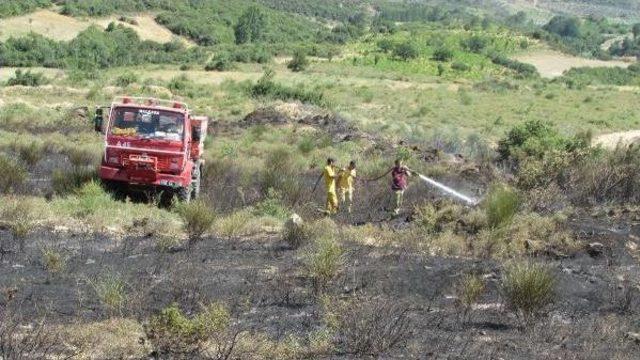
[545, 266]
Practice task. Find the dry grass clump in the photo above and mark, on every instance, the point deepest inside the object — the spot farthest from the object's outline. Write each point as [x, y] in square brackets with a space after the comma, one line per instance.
[19, 216]
[529, 233]
[111, 290]
[239, 223]
[68, 181]
[30, 153]
[323, 261]
[116, 338]
[469, 290]
[53, 261]
[528, 288]
[198, 219]
[13, 175]
[436, 217]
[501, 205]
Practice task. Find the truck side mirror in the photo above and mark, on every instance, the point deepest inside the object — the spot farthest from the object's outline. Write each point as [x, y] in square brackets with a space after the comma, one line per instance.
[98, 120]
[196, 134]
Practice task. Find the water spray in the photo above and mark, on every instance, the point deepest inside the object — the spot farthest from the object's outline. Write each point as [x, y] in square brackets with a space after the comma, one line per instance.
[450, 191]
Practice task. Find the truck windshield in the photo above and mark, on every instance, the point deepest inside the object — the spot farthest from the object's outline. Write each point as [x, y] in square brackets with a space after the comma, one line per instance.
[148, 124]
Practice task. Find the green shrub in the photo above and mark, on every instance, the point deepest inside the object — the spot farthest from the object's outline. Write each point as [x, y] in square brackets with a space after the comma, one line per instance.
[442, 54]
[501, 204]
[459, 66]
[271, 206]
[535, 138]
[299, 61]
[405, 51]
[475, 44]
[221, 62]
[13, 175]
[127, 79]
[267, 87]
[197, 217]
[27, 78]
[526, 70]
[528, 289]
[173, 334]
[323, 262]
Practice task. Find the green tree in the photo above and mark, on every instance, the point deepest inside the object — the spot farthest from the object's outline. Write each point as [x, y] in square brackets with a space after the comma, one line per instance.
[406, 51]
[251, 26]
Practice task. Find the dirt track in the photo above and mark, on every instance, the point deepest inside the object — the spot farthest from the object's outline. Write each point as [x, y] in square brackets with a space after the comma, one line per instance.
[552, 64]
[610, 141]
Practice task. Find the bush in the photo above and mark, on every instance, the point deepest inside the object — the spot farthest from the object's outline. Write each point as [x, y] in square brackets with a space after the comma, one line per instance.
[442, 54]
[221, 62]
[370, 327]
[198, 218]
[27, 78]
[126, 79]
[266, 87]
[475, 44]
[535, 138]
[501, 204]
[13, 175]
[323, 262]
[406, 51]
[173, 334]
[528, 289]
[526, 70]
[460, 66]
[299, 61]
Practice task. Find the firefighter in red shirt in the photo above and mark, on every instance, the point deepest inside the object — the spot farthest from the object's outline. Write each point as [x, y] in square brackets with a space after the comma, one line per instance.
[399, 182]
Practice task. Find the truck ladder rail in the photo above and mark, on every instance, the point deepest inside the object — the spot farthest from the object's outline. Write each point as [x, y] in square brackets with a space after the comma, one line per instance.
[150, 101]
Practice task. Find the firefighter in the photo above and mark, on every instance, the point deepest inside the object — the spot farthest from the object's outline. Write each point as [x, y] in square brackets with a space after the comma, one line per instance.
[399, 182]
[330, 176]
[346, 178]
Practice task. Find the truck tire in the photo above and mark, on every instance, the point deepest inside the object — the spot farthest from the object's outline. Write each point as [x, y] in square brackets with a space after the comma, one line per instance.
[184, 194]
[195, 183]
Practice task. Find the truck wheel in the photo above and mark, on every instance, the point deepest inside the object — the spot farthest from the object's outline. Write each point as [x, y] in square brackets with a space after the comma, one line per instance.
[195, 183]
[184, 194]
[117, 189]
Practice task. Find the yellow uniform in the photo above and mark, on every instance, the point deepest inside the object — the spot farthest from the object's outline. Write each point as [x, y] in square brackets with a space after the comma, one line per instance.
[329, 175]
[345, 185]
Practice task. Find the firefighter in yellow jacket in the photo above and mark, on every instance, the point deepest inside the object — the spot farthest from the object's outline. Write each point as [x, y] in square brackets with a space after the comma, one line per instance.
[329, 175]
[346, 179]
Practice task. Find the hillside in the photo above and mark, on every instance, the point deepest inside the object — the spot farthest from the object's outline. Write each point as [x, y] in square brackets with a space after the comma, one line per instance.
[511, 232]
